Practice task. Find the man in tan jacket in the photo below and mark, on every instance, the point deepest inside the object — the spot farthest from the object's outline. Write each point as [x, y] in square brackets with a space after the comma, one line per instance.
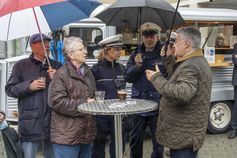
[185, 99]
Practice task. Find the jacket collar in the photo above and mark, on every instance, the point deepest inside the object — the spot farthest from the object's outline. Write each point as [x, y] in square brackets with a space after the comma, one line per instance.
[73, 72]
[157, 47]
[108, 63]
[195, 53]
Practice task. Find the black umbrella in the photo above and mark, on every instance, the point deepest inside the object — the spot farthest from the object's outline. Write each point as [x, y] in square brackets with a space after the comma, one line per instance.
[133, 13]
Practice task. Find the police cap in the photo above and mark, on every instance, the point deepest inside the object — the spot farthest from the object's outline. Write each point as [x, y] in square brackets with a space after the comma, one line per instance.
[112, 41]
[149, 28]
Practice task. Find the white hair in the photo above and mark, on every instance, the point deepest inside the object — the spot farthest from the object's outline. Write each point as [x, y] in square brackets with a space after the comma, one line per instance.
[69, 45]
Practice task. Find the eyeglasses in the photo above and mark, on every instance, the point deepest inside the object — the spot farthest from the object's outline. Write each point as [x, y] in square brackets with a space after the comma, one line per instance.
[83, 50]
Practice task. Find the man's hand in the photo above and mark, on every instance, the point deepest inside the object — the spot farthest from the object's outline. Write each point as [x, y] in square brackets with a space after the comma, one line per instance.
[90, 100]
[170, 51]
[138, 59]
[51, 73]
[149, 74]
[37, 85]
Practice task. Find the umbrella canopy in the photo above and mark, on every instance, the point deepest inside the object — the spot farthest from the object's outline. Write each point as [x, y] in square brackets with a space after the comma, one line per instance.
[40, 17]
[133, 13]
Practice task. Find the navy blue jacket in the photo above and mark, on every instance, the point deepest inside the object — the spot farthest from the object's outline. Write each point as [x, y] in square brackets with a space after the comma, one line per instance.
[142, 88]
[34, 112]
[234, 61]
[109, 77]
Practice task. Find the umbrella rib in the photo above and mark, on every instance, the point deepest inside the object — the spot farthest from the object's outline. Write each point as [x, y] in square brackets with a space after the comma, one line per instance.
[140, 20]
[114, 15]
[160, 18]
[138, 11]
[9, 23]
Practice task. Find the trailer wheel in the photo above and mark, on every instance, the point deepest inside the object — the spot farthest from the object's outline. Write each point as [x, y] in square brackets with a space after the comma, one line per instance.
[219, 117]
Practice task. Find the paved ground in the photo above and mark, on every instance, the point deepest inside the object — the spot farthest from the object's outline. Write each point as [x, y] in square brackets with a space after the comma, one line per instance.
[219, 146]
[215, 146]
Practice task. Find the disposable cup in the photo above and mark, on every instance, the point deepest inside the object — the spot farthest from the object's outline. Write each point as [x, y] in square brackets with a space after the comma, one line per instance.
[100, 96]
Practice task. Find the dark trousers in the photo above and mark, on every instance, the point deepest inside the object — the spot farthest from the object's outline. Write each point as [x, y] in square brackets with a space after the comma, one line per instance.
[183, 153]
[105, 128]
[137, 135]
[234, 110]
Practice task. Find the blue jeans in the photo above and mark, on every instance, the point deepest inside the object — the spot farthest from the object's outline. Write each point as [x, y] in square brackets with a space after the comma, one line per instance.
[30, 149]
[137, 135]
[72, 151]
[183, 153]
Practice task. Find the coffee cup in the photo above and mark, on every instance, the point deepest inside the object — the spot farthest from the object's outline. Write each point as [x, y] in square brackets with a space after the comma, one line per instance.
[122, 94]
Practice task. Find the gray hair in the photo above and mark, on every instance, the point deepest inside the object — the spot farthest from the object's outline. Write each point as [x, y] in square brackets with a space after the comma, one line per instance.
[69, 45]
[191, 33]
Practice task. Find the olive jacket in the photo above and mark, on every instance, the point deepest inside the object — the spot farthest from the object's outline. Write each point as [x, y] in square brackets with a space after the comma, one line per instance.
[185, 102]
[67, 90]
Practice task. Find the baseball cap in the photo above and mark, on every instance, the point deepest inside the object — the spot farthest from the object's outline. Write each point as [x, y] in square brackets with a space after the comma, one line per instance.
[36, 38]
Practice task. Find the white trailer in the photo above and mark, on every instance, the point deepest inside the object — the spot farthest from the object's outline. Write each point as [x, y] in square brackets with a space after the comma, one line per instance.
[222, 90]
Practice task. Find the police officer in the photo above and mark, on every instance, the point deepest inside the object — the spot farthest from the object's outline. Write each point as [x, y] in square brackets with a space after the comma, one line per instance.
[145, 57]
[109, 76]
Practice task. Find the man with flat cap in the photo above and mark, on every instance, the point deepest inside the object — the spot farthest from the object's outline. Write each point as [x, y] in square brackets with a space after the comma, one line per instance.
[29, 83]
[109, 76]
[146, 56]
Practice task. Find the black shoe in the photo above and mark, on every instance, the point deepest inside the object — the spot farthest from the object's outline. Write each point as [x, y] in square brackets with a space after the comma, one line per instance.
[232, 134]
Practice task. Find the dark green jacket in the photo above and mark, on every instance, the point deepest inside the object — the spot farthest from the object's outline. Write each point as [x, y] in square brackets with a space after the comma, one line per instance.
[184, 107]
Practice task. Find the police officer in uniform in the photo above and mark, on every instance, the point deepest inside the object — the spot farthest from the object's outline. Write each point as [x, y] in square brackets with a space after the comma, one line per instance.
[109, 76]
[146, 56]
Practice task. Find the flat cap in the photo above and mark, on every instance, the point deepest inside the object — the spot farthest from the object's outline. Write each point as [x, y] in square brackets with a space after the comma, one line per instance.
[149, 28]
[112, 41]
[36, 38]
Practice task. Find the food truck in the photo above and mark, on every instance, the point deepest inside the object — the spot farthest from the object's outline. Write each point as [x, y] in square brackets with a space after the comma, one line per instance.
[212, 24]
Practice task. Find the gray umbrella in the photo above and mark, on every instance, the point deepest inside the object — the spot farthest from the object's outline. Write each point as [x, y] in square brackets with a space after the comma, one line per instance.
[133, 13]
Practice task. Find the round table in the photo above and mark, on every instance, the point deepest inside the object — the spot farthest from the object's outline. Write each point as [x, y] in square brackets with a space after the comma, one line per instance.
[117, 108]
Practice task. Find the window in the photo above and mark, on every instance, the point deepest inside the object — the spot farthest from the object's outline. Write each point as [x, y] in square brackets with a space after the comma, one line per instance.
[91, 37]
[218, 36]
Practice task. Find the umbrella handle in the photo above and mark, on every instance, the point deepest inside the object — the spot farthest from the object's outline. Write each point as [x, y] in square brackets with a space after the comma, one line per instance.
[46, 55]
[167, 42]
[47, 59]
[45, 52]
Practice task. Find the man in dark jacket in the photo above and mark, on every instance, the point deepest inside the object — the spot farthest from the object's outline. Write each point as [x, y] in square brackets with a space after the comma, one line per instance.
[233, 132]
[32, 94]
[145, 57]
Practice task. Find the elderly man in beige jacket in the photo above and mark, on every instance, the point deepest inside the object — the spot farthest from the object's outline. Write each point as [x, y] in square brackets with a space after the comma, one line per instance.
[185, 103]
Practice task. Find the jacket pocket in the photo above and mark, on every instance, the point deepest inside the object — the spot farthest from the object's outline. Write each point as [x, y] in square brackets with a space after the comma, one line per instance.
[29, 123]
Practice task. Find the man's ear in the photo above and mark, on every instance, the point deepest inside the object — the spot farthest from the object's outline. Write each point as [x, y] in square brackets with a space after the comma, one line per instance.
[187, 44]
